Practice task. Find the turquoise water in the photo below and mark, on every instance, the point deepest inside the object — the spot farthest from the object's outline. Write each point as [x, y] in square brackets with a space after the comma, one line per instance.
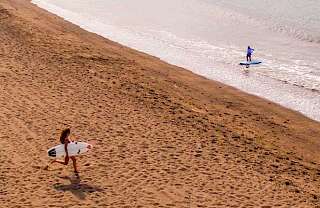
[210, 37]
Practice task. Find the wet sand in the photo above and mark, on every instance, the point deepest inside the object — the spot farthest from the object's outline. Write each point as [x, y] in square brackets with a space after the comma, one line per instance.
[164, 137]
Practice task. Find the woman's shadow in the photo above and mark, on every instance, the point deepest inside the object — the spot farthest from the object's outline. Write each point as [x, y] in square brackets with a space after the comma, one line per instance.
[77, 188]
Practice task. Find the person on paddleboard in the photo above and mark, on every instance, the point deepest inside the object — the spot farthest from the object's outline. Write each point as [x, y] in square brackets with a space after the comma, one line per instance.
[64, 139]
[249, 53]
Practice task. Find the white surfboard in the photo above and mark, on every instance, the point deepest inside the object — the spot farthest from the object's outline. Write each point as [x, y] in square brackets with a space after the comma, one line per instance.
[74, 148]
[250, 62]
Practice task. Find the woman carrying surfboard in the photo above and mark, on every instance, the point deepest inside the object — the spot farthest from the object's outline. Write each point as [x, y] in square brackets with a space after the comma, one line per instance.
[64, 139]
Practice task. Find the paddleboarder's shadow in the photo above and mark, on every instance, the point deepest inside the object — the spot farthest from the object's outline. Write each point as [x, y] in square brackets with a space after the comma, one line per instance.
[77, 188]
[246, 71]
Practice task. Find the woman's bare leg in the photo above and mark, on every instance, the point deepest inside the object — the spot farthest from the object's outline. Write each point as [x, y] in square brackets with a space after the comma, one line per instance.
[74, 161]
[65, 162]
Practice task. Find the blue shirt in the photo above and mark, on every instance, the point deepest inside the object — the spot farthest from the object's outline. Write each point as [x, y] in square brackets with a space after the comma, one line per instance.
[250, 51]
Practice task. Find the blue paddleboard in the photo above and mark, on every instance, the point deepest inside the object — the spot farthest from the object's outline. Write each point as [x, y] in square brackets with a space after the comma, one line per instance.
[250, 62]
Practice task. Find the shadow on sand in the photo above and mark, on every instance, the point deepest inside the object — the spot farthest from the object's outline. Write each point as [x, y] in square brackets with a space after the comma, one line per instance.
[77, 188]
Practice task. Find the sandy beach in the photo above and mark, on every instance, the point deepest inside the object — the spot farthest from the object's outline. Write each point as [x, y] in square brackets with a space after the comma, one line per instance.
[163, 136]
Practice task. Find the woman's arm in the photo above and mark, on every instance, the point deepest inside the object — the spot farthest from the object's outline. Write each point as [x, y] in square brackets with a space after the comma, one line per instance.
[66, 148]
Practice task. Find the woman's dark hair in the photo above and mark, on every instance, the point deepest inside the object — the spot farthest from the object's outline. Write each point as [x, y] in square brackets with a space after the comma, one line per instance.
[65, 133]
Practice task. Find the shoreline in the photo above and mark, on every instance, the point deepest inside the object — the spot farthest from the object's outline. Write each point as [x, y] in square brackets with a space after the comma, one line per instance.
[160, 130]
[290, 95]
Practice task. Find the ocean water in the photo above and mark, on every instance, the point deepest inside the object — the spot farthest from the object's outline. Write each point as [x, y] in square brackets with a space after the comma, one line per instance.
[210, 37]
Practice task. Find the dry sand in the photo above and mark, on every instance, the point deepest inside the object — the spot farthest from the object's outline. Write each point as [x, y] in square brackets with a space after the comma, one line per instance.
[164, 137]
